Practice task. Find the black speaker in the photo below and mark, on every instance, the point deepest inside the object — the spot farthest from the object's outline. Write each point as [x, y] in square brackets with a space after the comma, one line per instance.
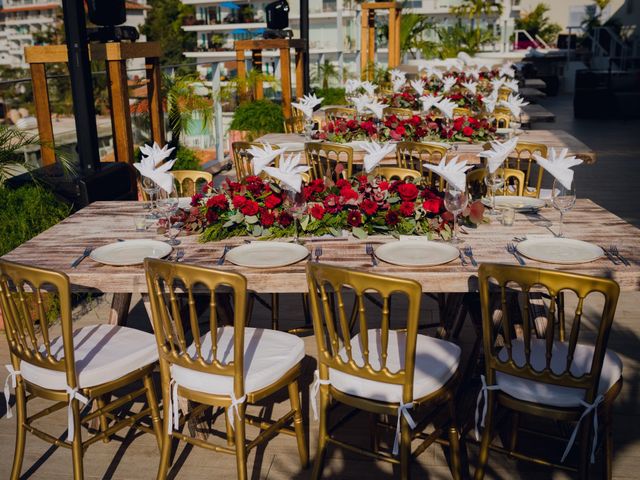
[277, 15]
[107, 12]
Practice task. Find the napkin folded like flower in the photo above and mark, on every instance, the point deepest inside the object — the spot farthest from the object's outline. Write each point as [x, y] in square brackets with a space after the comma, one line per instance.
[490, 101]
[559, 165]
[446, 106]
[352, 85]
[361, 103]
[471, 86]
[289, 172]
[453, 172]
[507, 70]
[398, 84]
[263, 156]
[473, 73]
[418, 86]
[496, 83]
[369, 87]
[375, 153]
[465, 58]
[448, 83]
[376, 107]
[398, 75]
[512, 85]
[307, 104]
[150, 167]
[498, 153]
[429, 101]
[514, 103]
[433, 72]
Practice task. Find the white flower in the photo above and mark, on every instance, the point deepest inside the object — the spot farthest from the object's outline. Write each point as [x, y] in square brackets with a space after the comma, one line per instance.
[289, 172]
[307, 104]
[559, 165]
[261, 157]
[446, 106]
[429, 101]
[514, 103]
[417, 85]
[448, 83]
[452, 171]
[498, 153]
[369, 87]
[471, 86]
[375, 153]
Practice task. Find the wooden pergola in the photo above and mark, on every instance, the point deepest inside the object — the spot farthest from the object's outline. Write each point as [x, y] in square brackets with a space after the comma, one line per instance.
[368, 36]
[115, 55]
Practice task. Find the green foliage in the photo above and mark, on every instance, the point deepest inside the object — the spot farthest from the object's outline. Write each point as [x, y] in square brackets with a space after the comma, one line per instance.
[258, 117]
[184, 97]
[456, 39]
[412, 29]
[331, 96]
[536, 22]
[25, 212]
[186, 159]
[473, 9]
[325, 72]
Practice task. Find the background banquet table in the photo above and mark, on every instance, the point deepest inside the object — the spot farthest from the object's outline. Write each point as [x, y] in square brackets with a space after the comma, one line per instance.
[467, 151]
[103, 222]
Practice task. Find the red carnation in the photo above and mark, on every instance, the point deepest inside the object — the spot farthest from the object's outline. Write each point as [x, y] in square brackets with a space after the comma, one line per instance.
[457, 123]
[407, 191]
[392, 218]
[369, 207]
[239, 201]
[383, 185]
[317, 211]
[267, 218]
[433, 205]
[332, 203]
[468, 131]
[348, 193]
[218, 201]
[341, 183]
[400, 130]
[354, 218]
[211, 216]
[272, 201]
[407, 209]
[250, 208]
[285, 219]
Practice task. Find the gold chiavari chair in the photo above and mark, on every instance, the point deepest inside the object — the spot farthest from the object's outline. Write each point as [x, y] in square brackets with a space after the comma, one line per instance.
[413, 155]
[461, 112]
[242, 159]
[502, 117]
[397, 173]
[402, 113]
[513, 182]
[380, 370]
[228, 367]
[522, 159]
[190, 182]
[551, 377]
[78, 366]
[329, 160]
[503, 93]
[334, 113]
[295, 123]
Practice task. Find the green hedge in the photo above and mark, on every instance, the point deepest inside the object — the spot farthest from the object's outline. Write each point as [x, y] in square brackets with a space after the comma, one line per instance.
[186, 159]
[258, 117]
[25, 212]
[331, 96]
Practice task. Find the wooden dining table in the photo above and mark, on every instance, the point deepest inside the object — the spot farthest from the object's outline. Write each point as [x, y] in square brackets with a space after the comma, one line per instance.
[104, 222]
[557, 139]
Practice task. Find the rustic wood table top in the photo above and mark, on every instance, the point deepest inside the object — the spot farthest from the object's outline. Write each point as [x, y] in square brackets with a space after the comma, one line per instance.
[104, 222]
[467, 151]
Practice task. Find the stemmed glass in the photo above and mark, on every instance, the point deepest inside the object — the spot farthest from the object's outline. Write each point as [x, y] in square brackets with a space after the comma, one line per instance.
[308, 127]
[151, 188]
[168, 203]
[563, 199]
[455, 201]
[494, 182]
[297, 207]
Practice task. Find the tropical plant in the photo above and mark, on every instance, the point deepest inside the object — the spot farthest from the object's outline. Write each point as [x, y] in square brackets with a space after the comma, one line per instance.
[326, 71]
[186, 159]
[258, 117]
[537, 23]
[412, 29]
[456, 39]
[243, 88]
[473, 9]
[185, 96]
[331, 96]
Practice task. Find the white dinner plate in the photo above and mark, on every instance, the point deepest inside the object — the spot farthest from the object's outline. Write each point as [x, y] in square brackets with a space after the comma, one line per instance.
[565, 251]
[416, 253]
[130, 252]
[521, 204]
[267, 254]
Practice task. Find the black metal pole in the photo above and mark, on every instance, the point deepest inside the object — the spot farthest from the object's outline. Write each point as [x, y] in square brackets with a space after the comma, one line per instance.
[304, 35]
[81, 85]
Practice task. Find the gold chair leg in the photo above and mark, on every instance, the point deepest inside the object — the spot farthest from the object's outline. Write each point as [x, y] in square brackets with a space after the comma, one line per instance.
[608, 440]
[585, 447]
[405, 450]
[456, 443]
[230, 435]
[318, 463]
[241, 446]
[156, 423]
[76, 448]
[165, 453]
[303, 448]
[486, 438]
[21, 432]
[513, 439]
[101, 401]
[275, 310]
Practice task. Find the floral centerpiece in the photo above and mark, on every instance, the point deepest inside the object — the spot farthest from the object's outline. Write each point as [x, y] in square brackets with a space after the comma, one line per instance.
[363, 206]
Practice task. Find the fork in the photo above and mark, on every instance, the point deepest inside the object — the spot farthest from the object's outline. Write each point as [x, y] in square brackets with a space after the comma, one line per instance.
[85, 254]
[468, 251]
[370, 252]
[224, 254]
[318, 253]
[614, 251]
[462, 260]
[179, 255]
[511, 248]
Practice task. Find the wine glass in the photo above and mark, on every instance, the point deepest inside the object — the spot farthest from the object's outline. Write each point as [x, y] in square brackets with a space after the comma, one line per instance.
[151, 188]
[308, 127]
[297, 207]
[494, 182]
[563, 199]
[168, 203]
[455, 201]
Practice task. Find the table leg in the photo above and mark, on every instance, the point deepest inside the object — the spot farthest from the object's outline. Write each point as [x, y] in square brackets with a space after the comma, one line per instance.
[119, 309]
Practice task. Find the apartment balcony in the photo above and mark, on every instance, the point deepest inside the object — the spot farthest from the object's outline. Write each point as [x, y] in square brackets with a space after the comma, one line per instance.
[29, 19]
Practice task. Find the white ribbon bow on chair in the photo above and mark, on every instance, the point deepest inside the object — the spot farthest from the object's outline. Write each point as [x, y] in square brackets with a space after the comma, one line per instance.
[314, 390]
[403, 411]
[7, 393]
[482, 393]
[73, 394]
[234, 407]
[590, 407]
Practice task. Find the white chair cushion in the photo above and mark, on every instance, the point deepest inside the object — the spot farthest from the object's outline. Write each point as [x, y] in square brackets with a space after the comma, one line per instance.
[436, 362]
[103, 353]
[268, 355]
[555, 395]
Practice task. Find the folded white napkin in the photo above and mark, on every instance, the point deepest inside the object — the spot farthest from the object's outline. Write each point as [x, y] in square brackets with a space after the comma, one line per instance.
[559, 165]
[448, 83]
[512, 85]
[369, 87]
[429, 101]
[263, 156]
[453, 172]
[351, 85]
[507, 70]
[417, 85]
[289, 172]
[490, 101]
[498, 153]
[307, 104]
[375, 153]
[446, 106]
[151, 165]
[473, 73]
[398, 75]
[398, 84]
[361, 103]
[514, 103]
[465, 58]
[471, 86]
[496, 83]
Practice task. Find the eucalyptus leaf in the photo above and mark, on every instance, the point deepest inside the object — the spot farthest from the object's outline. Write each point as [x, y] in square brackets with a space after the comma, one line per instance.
[359, 233]
[304, 222]
[257, 230]
[251, 219]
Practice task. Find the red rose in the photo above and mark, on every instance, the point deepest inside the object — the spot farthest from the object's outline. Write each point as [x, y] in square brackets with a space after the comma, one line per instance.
[415, 120]
[352, 124]
[218, 201]
[234, 186]
[332, 203]
[468, 131]
[254, 186]
[407, 191]
[392, 218]
[267, 218]
[457, 123]
[400, 130]
[348, 193]
[472, 121]
[250, 208]
[354, 218]
[317, 211]
[211, 216]
[407, 209]
[285, 219]
[369, 206]
[272, 201]
[239, 201]
[433, 205]
[383, 185]
[341, 183]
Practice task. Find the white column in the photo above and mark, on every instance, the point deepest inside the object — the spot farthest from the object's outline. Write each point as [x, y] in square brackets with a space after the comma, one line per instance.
[217, 111]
